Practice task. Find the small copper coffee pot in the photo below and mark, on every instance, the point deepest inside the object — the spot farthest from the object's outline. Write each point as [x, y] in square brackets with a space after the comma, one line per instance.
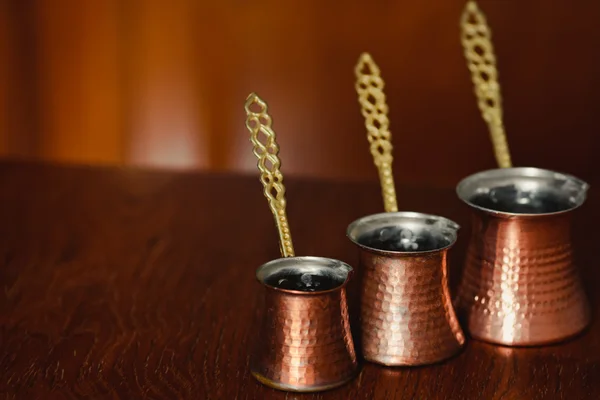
[520, 285]
[406, 312]
[304, 343]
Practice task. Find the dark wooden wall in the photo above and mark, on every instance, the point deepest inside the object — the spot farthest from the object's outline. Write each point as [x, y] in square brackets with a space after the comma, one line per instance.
[162, 83]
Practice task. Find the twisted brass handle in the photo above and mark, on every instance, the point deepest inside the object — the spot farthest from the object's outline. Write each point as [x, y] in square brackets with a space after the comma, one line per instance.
[266, 150]
[481, 61]
[369, 87]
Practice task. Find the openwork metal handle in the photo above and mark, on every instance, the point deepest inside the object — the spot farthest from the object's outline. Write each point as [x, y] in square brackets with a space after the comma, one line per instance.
[481, 61]
[369, 87]
[266, 149]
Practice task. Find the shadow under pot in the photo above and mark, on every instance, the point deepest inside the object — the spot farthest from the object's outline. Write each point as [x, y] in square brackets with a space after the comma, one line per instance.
[520, 286]
[304, 343]
[406, 313]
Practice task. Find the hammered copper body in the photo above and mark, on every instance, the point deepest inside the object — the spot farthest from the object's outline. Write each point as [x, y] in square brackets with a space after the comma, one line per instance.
[406, 312]
[520, 285]
[305, 344]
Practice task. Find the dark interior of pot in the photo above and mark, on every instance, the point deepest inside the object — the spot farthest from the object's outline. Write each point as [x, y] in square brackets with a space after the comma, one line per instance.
[403, 239]
[522, 190]
[304, 282]
[305, 274]
[511, 199]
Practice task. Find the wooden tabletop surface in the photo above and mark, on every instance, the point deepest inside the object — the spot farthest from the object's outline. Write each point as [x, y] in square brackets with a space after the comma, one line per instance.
[124, 283]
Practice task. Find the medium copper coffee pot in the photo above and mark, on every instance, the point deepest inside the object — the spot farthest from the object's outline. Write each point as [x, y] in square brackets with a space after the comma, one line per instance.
[406, 313]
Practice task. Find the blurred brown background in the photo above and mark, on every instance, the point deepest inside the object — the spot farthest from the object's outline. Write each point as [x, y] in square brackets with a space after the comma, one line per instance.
[162, 83]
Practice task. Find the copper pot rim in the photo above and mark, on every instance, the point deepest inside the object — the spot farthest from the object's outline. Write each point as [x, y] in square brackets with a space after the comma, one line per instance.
[407, 214]
[403, 254]
[313, 259]
[524, 172]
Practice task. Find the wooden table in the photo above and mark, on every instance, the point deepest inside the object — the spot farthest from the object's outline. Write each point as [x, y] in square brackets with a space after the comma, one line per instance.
[123, 283]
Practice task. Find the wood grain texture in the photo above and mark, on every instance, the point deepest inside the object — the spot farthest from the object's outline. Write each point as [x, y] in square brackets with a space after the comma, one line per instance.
[123, 283]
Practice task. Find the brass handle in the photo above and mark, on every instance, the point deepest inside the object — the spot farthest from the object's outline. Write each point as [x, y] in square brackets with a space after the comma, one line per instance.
[259, 124]
[369, 87]
[481, 61]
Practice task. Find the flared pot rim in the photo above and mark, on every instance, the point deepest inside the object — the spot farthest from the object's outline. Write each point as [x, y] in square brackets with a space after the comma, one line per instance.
[575, 189]
[341, 271]
[379, 220]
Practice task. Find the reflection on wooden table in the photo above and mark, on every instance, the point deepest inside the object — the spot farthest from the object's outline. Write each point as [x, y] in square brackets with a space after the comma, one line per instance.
[122, 283]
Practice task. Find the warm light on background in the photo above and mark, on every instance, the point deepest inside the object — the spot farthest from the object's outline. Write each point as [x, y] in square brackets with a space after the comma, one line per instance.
[157, 83]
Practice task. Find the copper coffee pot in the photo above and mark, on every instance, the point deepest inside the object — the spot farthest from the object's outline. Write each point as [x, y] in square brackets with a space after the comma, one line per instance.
[304, 342]
[520, 285]
[406, 313]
